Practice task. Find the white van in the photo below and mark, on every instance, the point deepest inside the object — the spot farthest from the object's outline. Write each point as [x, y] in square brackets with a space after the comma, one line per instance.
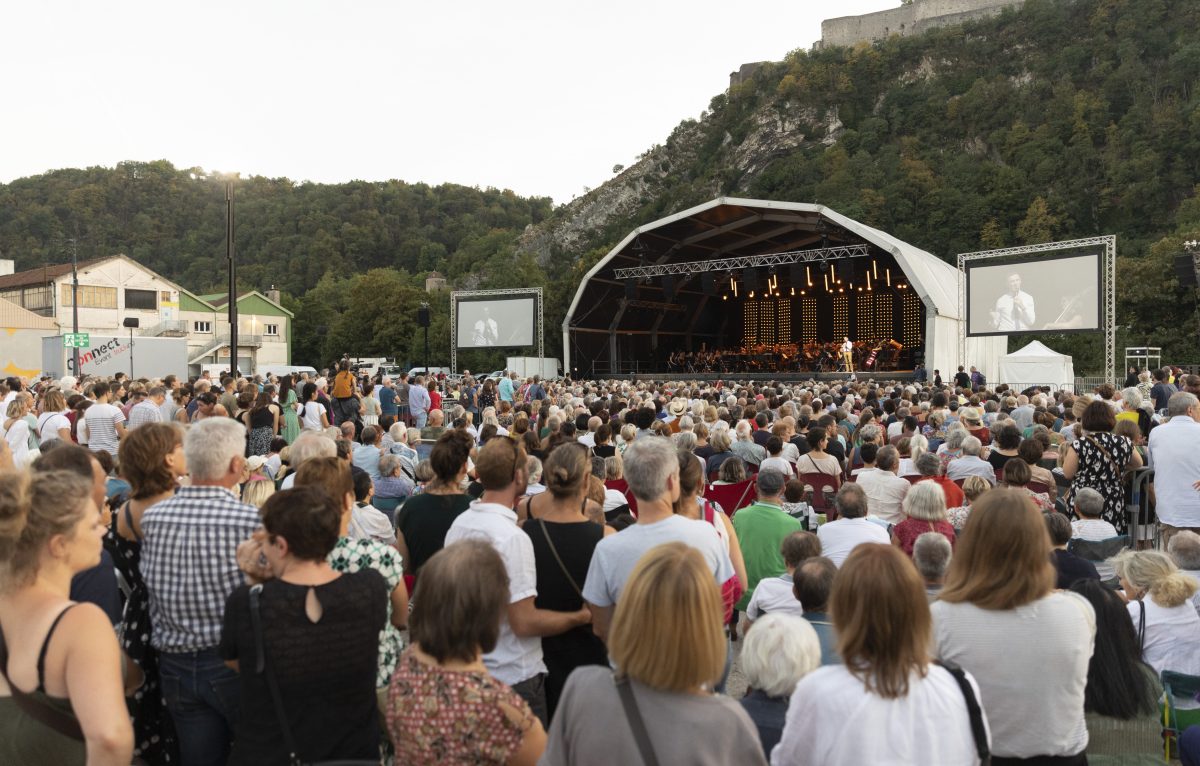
[432, 371]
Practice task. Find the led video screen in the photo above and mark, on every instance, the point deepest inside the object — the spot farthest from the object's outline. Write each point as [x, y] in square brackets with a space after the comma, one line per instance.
[504, 322]
[1037, 294]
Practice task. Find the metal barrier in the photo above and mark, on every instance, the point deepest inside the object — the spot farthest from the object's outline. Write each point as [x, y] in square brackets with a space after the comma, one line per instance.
[1139, 505]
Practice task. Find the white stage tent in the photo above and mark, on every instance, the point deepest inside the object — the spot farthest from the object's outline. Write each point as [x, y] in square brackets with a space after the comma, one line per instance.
[731, 227]
[1036, 365]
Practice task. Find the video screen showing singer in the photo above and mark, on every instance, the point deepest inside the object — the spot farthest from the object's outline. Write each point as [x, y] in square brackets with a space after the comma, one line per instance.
[1014, 310]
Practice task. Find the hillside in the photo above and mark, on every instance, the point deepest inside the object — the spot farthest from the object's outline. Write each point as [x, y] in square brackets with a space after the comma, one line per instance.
[1062, 119]
[1058, 120]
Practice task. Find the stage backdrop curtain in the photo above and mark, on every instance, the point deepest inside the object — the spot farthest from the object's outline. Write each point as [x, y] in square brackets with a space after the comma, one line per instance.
[1036, 365]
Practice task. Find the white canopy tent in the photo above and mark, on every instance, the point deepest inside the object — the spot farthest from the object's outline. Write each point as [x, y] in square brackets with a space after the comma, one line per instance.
[1036, 365]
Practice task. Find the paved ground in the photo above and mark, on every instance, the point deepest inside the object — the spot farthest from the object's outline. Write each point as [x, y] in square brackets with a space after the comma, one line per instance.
[735, 685]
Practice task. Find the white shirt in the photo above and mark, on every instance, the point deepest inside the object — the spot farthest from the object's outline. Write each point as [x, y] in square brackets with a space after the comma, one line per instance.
[310, 416]
[1172, 636]
[588, 439]
[970, 465]
[1095, 530]
[1006, 315]
[514, 659]
[779, 464]
[885, 493]
[840, 537]
[1031, 665]
[832, 720]
[1176, 462]
[774, 595]
[49, 424]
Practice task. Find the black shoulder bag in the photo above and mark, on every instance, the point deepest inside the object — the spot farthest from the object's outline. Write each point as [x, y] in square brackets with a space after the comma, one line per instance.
[634, 716]
[978, 730]
[262, 667]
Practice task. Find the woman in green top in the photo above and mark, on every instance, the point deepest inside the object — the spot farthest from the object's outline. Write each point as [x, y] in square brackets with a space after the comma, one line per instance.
[288, 400]
[59, 655]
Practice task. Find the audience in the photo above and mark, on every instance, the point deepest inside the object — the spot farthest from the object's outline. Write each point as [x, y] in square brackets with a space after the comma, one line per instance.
[852, 528]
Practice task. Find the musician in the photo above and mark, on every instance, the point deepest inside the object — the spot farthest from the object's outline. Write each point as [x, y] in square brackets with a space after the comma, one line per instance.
[1014, 310]
[1070, 316]
[848, 355]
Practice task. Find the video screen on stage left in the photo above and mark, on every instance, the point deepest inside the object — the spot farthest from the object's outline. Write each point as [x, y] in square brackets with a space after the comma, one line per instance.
[501, 322]
[1043, 293]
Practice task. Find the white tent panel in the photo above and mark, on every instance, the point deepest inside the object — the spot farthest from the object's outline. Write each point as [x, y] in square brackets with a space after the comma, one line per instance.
[1036, 365]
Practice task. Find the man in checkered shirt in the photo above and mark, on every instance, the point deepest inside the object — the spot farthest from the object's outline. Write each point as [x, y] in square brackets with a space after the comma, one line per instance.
[190, 567]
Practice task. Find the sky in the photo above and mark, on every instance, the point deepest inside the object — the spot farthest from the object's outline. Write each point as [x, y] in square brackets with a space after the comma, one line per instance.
[540, 97]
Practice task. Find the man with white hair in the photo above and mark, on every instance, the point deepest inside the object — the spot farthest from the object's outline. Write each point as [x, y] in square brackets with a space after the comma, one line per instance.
[1184, 550]
[308, 445]
[1176, 462]
[1023, 414]
[884, 487]
[931, 556]
[744, 447]
[970, 463]
[652, 473]
[190, 567]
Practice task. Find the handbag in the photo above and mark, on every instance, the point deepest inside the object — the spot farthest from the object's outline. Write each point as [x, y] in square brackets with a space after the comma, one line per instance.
[261, 666]
[634, 716]
[978, 730]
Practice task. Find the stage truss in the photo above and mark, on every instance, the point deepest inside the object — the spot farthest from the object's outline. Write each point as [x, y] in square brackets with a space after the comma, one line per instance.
[1108, 278]
[745, 262]
[456, 295]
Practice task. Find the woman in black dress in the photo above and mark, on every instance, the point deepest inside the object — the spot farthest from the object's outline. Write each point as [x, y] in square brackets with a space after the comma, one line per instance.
[262, 422]
[1098, 460]
[152, 461]
[563, 541]
[319, 636]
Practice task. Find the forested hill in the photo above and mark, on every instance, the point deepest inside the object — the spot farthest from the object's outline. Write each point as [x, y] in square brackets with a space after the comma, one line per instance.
[1061, 119]
[1058, 120]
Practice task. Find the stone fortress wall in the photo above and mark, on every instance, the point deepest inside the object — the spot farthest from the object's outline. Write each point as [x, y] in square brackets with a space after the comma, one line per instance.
[911, 19]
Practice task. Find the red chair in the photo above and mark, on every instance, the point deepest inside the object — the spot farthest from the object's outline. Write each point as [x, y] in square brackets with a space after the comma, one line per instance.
[1038, 488]
[959, 482]
[731, 497]
[913, 478]
[819, 481]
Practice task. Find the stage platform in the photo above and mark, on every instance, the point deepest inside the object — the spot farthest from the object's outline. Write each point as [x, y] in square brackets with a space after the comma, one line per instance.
[791, 376]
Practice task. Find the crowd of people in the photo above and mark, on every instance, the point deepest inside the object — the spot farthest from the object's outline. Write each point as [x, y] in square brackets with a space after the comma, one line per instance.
[290, 570]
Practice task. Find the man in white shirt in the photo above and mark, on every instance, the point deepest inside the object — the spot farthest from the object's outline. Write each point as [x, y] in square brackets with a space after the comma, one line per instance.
[517, 658]
[652, 473]
[588, 438]
[1089, 504]
[105, 423]
[970, 464]
[852, 528]
[884, 489]
[1014, 310]
[1175, 458]
[149, 410]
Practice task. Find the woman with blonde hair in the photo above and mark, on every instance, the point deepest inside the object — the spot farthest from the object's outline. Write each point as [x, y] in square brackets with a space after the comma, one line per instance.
[889, 702]
[1028, 645]
[52, 423]
[15, 430]
[1167, 625]
[628, 434]
[973, 488]
[664, 683]
[57, 657]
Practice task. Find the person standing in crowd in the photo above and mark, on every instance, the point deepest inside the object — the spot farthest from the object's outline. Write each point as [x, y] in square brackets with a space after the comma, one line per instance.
[15, 431]
[346, 405]
[386, 394]
[1027, 645]
[355, 550]
[1176, 462]
[56, 655]
[148, 410]
[189, 564]
[443, 705]
[419, 402]
[313, 416]
[425, 518]
[517, 658]
[1162, 390]
[564, 538]
[665, 675]
[104, 423]
[152, 461]
[262, 422]
[652, 473]
[1098, 460]
[53, 423]
[914, 707]
[305, 642]
[289, 405]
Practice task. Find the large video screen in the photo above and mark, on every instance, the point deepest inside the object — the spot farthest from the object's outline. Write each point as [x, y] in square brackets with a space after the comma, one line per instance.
[504, 322]
[1059, 293]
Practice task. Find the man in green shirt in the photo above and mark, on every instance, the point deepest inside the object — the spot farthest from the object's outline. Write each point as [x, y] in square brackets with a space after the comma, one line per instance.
[761, 528]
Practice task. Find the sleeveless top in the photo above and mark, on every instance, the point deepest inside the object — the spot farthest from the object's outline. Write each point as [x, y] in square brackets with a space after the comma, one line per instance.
[24, 739]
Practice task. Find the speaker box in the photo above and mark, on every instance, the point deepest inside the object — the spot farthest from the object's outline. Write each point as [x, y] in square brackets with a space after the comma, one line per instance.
[630, 289]
[708, 283]
[130, 322]
[668, 284]
[423, 316]
[1185, 270]
[749, 280]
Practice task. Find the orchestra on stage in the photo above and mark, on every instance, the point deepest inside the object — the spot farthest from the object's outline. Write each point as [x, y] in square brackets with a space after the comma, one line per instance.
[812, 356]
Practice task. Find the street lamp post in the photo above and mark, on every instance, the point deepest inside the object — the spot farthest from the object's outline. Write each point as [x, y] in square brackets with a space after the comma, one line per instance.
[75, 303]
[233, 311]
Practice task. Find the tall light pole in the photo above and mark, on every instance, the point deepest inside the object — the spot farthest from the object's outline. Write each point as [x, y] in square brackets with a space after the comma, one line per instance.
[233, 312]
[75, 303]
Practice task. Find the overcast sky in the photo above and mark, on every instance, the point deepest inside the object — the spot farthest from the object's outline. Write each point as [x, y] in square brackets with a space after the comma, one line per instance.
[539, 97]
